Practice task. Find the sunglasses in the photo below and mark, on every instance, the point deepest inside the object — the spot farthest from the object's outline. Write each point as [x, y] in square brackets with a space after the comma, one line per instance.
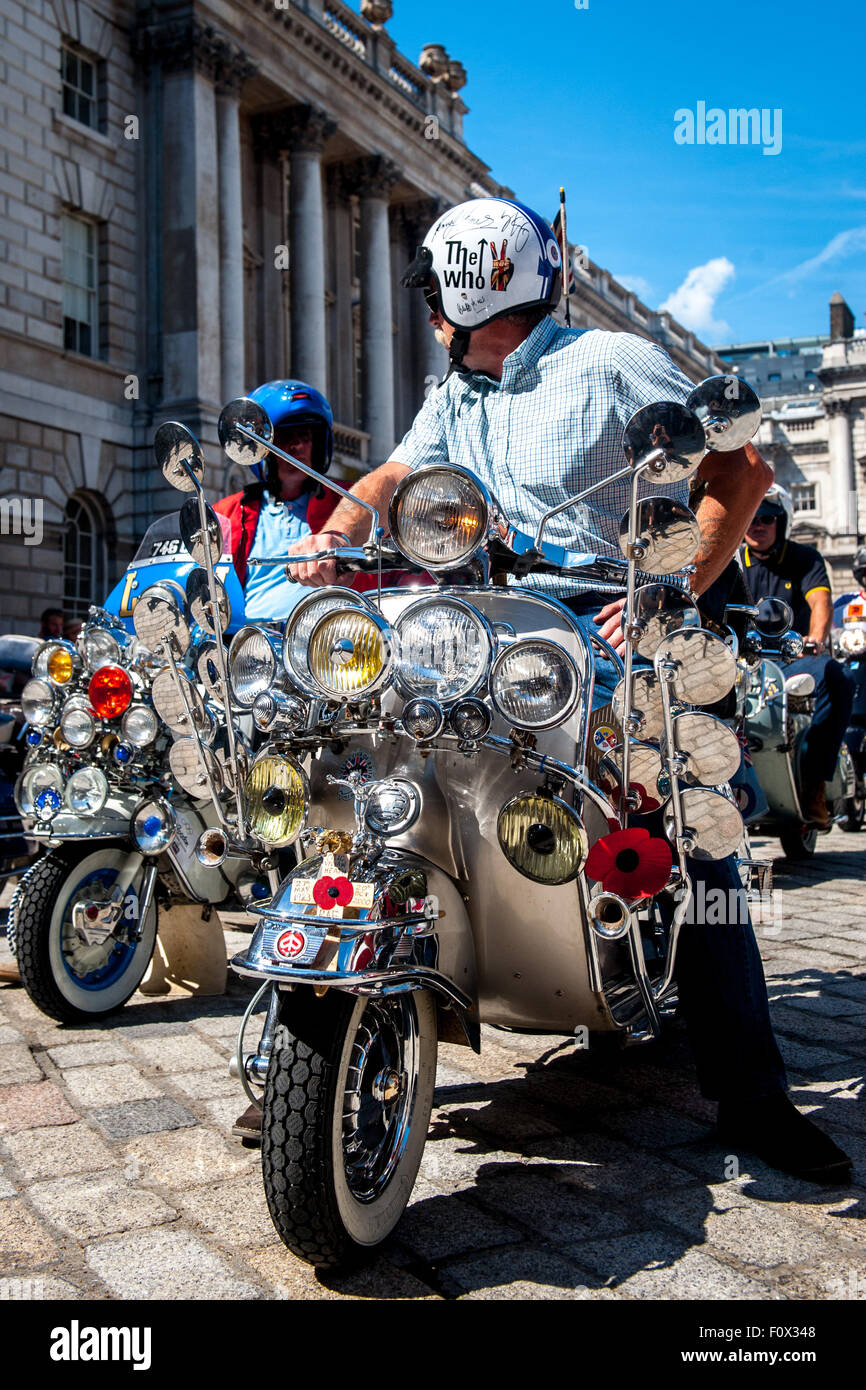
[764, 518]
[431, 298]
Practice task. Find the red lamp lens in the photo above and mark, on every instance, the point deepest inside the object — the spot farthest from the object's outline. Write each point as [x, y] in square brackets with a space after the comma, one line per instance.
[110, 691]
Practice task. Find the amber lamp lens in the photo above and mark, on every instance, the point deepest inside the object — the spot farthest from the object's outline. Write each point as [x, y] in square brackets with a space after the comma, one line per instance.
[110, 692]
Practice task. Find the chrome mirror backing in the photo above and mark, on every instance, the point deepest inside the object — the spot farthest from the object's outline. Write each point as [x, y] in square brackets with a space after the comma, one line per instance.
[208, 671]
[250, 415]
[774, 617]
[708, 751]
[659, 609]
[199, 601]
[729, 411]
[668, 536]
[175, 446]
[185, 758]
[172, 708]
[712, 825]
[193, 535]
[157, 616]
[706, 668]
[647, 713]
[666, 437]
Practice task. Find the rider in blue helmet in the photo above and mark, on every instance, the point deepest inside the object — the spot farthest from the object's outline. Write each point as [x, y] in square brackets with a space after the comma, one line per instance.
[284, 504]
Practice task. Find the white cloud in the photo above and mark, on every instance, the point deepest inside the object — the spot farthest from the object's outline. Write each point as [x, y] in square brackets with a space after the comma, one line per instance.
[842, 245]
[693, 303]
[638, 285]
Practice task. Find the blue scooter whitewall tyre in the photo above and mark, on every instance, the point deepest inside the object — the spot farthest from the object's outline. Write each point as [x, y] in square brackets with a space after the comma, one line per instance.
[65, 977]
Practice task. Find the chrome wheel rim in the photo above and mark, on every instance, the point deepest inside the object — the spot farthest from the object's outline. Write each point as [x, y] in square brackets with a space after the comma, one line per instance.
[381, 1085]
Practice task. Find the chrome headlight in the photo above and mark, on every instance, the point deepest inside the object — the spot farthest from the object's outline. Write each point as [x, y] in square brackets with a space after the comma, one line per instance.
[276, 795]
[139, 725]
[853, 640]
[296, 638]
[542, 837]
[153, 825]
[77, 724]
[349, 653]
[86, 791]
[37, 703]
[56, 662]
[39, 791]
[254, 658]
[99, 648]
[439, 516]
[444, 648]
[534, 684]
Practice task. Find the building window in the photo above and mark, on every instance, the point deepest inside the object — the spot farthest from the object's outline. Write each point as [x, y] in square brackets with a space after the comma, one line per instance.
[775, 376]
[804, 497]
[85, 556]
[78, 77]
[80, 278]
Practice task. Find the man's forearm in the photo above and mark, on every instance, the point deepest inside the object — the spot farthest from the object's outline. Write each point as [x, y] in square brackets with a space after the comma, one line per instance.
[735, 483]
[376, 488]
[821, 619]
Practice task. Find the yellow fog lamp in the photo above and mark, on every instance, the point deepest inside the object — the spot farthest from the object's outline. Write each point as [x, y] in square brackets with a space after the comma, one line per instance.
[542, 837]
[276, 797]
[349, 654]
[57, 662]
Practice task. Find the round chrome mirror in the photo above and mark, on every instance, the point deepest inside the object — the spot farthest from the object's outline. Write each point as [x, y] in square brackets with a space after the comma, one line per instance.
[706, 666]
[174, 445]
[774, 617]
[158, 615]
[658, 610]
[194, 537]
[791, 646]
[707, 748]
[668, 535]
[250, 415]
[712, 825]
[728, 409]
[169, 704]
[199, 601]
[185, 760]
[647, 779]
[646, 704]
[668, 427]
[208, 671]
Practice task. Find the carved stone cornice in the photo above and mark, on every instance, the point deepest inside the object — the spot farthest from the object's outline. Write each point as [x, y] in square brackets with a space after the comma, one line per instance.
[183, 44]
[308, 129]
[416, 218]
[371, 176]
[840, 407]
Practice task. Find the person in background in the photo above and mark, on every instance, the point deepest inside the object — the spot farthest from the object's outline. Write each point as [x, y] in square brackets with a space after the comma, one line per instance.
[776, 567]
[72, 629]
[51, 623]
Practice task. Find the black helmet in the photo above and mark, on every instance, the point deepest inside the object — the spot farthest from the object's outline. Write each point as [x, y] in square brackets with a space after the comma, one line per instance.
[859, 567]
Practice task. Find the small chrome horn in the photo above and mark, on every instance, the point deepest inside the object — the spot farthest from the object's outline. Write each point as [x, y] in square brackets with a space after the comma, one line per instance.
[609, 916]
[211, 847]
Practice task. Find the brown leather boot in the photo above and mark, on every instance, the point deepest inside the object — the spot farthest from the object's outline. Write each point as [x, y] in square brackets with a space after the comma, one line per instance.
[814, 805]
[248, 1127]
[9, 973]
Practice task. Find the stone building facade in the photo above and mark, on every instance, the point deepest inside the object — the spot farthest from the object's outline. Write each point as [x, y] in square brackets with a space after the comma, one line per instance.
[197, 197]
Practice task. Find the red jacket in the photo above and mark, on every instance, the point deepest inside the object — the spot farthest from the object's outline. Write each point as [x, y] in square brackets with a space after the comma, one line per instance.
[242, 514]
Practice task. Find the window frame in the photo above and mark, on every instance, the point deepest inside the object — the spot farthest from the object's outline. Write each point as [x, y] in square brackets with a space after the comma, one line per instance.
[93, 255]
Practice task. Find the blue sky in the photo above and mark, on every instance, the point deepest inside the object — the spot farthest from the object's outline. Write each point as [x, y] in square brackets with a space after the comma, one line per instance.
[739, 244]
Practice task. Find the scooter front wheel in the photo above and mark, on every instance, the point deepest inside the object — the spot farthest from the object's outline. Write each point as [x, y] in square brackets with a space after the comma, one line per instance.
[67, 978]
[798, 841]
[347, 1105]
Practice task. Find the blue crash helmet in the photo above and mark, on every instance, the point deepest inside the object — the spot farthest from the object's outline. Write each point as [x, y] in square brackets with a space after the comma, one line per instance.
[296, 403]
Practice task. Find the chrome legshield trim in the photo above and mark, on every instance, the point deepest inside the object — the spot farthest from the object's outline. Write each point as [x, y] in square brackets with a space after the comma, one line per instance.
[358, 982]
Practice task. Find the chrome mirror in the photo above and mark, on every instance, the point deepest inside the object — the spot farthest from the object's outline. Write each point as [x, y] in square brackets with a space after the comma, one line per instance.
[669, 438]
[668, 535]
[647, 777]
[647, 714]
[791, 646]
[712, 825]
[707, 749]
[658, 610]
[728, 409]
[199, 601]
[185, 759]
[222, 753]
[158, 615]
[170, 705]
[174, 445]
[706, 668]
[208, 671]
[193, 535]
[250, 414]
[774, 617]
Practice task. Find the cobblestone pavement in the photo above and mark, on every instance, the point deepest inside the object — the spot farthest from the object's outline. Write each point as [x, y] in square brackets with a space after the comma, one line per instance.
[549, 1173]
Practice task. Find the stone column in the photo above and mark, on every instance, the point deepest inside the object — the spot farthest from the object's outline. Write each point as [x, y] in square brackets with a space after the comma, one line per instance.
[372, 179]
[230, 79]
[433, 358]
[310, 129]
[842, 477]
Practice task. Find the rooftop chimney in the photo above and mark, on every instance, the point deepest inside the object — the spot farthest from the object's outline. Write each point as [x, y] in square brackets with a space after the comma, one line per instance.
[841, 319]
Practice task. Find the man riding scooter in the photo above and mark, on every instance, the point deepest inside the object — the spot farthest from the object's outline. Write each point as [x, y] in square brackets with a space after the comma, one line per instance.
[776, 567]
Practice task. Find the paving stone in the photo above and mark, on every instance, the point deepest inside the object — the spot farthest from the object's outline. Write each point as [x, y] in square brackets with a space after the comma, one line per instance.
[220, 1026]
[90, 1086]
[208, 1084]
[17, 1065]
[142, 1117]
[441, 1226]
[32, 1106]
[7, 1188]
[38, 1288]
[289, 1278]
[44, 1153]
[763, 1239]
[830, 1006]
[184, 1158]
[9, 1034]
[171, 1054]
[602, 1164]
[166, 1263]
[236, 1211]
[653, 1126]
[86, 1054]
[522, 1272]
[800, 1058]
[165, 1029]
[656, 1265]
[87, 1207]
[223, 1112]
[24, 1241]
[544, 1204]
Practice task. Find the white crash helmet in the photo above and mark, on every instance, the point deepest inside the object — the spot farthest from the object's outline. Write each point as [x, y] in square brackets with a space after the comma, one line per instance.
[486, 258]
[778, 501]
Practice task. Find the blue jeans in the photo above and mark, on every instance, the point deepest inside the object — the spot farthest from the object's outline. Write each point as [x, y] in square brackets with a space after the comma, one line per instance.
[834, 699]
[723, 994]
